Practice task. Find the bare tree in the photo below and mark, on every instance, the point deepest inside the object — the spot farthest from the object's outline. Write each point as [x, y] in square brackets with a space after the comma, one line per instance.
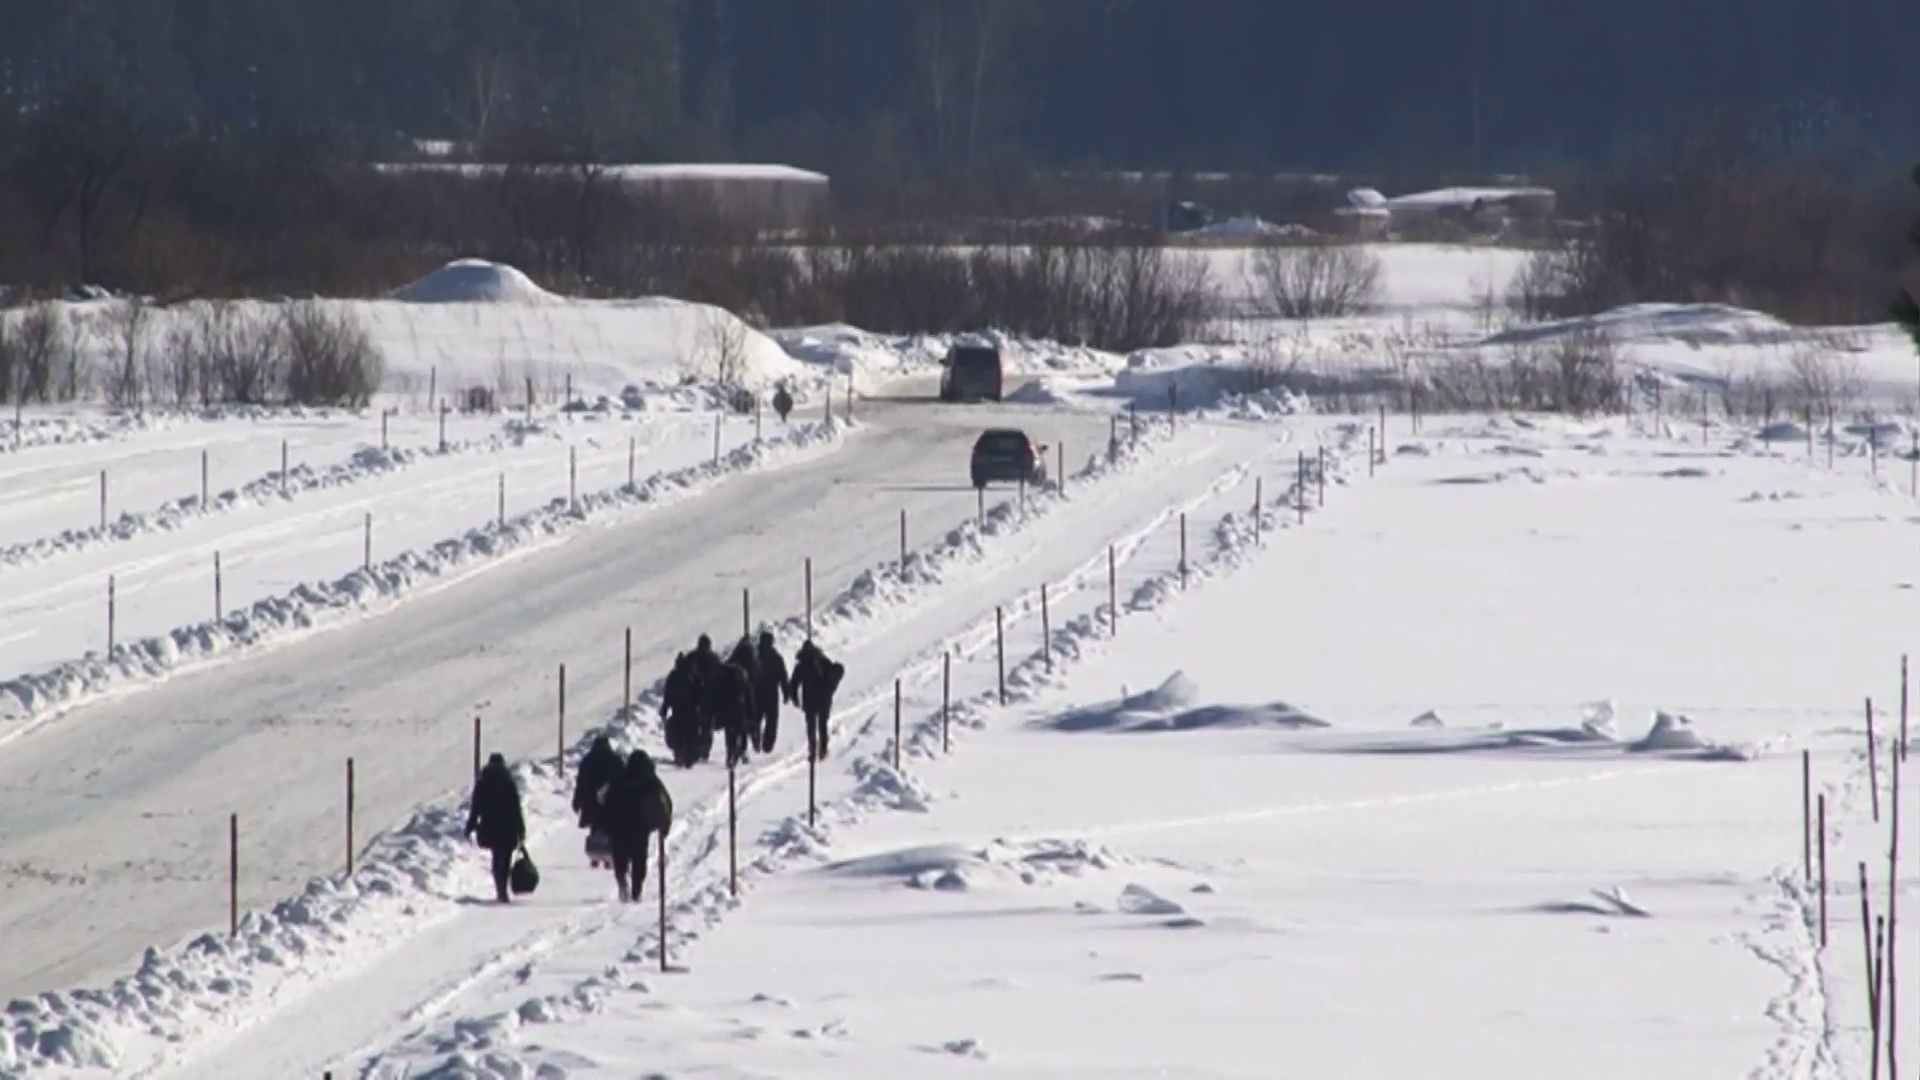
[1318, 280]
[1827, 382]
[723, 348]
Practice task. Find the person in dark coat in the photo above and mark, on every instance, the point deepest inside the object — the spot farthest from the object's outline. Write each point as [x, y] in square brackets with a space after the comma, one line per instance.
[769, 686]
[815, 678]
[730, 703]
[495, 821]
[637, 807]
[682, 711]
[706, 666]
[597, 769]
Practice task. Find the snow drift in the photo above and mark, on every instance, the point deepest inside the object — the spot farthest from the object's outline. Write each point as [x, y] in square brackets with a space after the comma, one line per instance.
[474, 281]
[1171, 706]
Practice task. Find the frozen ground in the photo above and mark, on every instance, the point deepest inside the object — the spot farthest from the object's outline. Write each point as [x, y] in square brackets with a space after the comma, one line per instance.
[1158, 862]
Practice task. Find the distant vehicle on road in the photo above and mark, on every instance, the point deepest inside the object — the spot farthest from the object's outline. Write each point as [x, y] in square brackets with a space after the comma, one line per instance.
[973, 373]
[1006, 455]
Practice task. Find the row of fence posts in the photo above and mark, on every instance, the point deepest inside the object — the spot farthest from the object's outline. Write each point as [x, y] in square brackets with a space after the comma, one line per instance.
[1879, 930]
[946, 706]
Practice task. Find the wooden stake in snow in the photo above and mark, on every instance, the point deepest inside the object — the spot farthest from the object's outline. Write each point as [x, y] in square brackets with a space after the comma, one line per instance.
[746, 613]
[1891, 954]
[1867, 951]
[349, 817]
[1259, 500]
[1000, 648]
[112, 612]
[573, 477]
[813, 760]
[717, 417]
[384, 413]
[626, 675]
[1046, 628]
[896, 724]
[443, 429]
[1806, 812]
[103, 500]
[366, 542]
[233, 875]
[560, 727]
[1113, 593]
[1373, 452]
[283, 468]
[980, 507]
[1320, 476]
[476, 744]
[500, 512]
[203, 479]
[1300, 486]
[1877, 973]
[1903, 705]
[1820, 850]
[809, 576]
[903, 537]
[1873, 764]
[663, 901]
[1060, 469]
[1183, 550]
[633, 452]
[733, 835]
[219, 606]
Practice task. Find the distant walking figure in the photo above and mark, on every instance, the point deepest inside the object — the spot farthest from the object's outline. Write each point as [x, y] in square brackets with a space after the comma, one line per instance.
[637, 807]
[494, 819]
[815, 678]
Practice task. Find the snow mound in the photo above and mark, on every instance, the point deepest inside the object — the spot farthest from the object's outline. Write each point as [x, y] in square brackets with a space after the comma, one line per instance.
[1428, 719]
[1171, 707]
[1246, 226]
[1140, 900]
[1038, 392]
[1366, 198]
[474, 281]
[1670, 732]
[955, 868]
[1155, 379]
[1600, 719]
[1688, 324]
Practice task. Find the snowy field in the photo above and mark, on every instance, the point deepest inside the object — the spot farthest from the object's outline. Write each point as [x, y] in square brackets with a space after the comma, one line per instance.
[1395, 770]
[1388, 761]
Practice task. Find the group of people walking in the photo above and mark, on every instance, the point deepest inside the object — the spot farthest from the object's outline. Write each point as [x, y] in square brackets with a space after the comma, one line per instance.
[739, 698]
[622, 802]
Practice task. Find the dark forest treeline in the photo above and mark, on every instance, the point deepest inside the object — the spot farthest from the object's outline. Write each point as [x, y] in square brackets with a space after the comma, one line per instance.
[1389, 86]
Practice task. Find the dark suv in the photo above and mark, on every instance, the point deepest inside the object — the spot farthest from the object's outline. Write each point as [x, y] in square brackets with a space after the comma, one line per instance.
[973, 373]
[1006, 455]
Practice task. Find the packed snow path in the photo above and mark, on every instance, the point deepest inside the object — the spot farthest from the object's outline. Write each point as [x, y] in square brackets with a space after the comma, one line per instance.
[114, 817]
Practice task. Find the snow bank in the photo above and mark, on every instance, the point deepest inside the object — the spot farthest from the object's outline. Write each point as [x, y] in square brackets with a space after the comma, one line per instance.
[367, 463]
[474, 281]
[1688, 324]
[37, 431]
[30, 698]
[1157, 379]
[1247, 226]
[1171, 707]
[869, 356]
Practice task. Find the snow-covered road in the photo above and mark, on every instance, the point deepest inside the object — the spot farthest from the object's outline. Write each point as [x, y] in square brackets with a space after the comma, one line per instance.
[114, 817]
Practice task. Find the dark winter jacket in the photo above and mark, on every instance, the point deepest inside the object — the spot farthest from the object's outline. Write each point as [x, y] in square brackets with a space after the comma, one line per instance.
[730, 696]
[637, 803]
[770, 675]
[815, 678]
[495, 819]
[597, 769]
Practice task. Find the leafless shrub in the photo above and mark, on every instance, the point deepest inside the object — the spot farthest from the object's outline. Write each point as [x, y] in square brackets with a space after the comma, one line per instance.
[722, 348]
[225, 352]
[129, 327]
[1830, 383]
[1556, 282]
[1318, 280]
[31, 346]
[1586, 372]
[1578, 373]
[331, 357]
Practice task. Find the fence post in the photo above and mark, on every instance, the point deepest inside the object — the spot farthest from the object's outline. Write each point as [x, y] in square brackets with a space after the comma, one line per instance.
[733, 836]
[219, 608]
[1183, 550]
[903, 537]
[103, 500]
[1809, 419]
[529, 397]
[500, 512]
[1903, 706]
[560, 738]
[366, 543]
[716, 437]
[1113, 594]
[112, 612]
[1867, 947]
[284, 468]
[203, 480]
[1820, 849]
[1060, 453]
[476, 744]
[443, 429]
[233, 875]
[1383, 422]
[1373, 453]
[980, 507]
[1892, 953]
[1320, 476]
[809, 598]
[1046, 628]
[1133, 422]
[746, 613]
[433, 387]
[896, 723]
[569, 400]
[626, 676]
[946, 699]
[573, 477]
[1000, 648]
[1173, 405]
[813, 761]
[1913, 467]
[383, 428]
[663, 901]
[1259, 483]
[349, 817]
[1806, 813]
